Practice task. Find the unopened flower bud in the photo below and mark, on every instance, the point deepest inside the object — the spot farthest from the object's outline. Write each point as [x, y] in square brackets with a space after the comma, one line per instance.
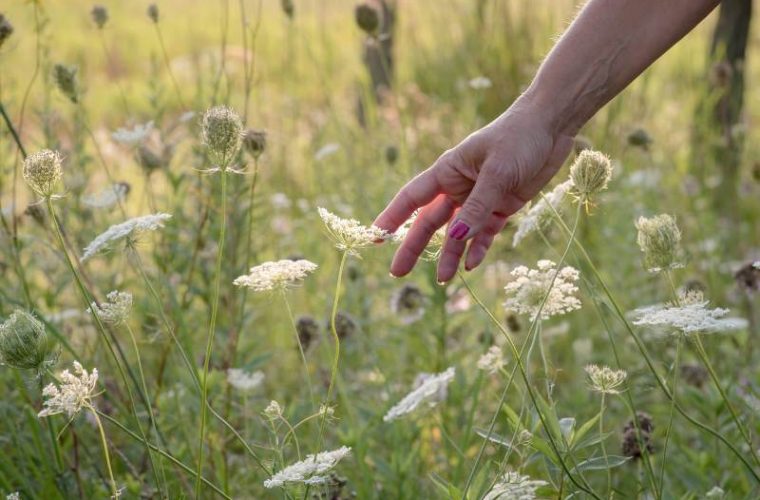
[42, 170]
[367, 18]
[590, 174]
[66, 80]
[288, 8]
[222, 133]
[99, 15]
[6, 29]
[660, 240]
[254, 142]
[24, 342]
[640, 138]
[153, 12]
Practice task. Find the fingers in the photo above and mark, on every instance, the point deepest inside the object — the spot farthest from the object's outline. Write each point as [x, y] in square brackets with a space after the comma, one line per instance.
[449, 261]
[430, 219]
[483, 240]
[415, 194]
[486, 196]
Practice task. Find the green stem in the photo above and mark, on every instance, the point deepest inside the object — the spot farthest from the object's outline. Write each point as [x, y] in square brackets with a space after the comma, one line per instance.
[211, 331]
[604, 448]
[167, 64]
[676, 367]
[300, 347]
[104, 443]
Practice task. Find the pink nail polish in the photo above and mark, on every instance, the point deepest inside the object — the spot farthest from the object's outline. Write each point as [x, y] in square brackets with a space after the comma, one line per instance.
[459, 230]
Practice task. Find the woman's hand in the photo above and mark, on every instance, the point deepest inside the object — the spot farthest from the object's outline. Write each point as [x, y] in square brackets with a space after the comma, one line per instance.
[476, 186]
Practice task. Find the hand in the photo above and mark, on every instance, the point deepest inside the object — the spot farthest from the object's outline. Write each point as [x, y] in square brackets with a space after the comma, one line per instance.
[480, 183]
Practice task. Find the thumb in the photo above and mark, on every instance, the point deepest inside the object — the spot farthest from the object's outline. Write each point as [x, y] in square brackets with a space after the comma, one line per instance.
[487, 194]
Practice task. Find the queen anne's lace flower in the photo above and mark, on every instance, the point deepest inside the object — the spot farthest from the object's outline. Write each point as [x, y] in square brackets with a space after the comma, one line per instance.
[428, 392]
[115, 310]
[311, 470]
[434, 246]
[273, 410]
[74, 393]
[604, 379]
[243, 380]
[129, 229]
[538, 214]
[107, 198]
[526, 293]
[279, 275]
[134, 136]
[492, 361]
[42, 171]
[690, 315]
[349, 235]
[514, 486]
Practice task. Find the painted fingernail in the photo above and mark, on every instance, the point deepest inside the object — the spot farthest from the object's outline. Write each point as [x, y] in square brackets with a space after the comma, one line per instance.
[459, 230]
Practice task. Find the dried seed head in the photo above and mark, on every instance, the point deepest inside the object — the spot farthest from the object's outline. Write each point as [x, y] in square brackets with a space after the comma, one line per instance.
[288, 8]
[37, 213]
[660, 240]
[42, 170]
[100, 15]
[590, 174]
[408, 303]
[65, 78]
[367, 18]
[308, 330]
[630, 445]
[6, 29]
[694, 375]
[222, 134]
[345, 325]
[153, 12]
[640, 138]
[148, 159]
[24, 342]
[748, 277]
[254, 142]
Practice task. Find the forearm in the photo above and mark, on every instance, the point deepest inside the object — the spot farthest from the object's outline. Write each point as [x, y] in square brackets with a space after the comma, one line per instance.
[608, 45]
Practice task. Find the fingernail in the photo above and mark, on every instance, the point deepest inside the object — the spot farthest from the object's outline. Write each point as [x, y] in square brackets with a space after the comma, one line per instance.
[459, 230]
[441, 283]
[392, 276]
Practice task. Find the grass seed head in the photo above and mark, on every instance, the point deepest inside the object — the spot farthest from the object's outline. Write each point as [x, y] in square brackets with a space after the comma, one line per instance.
[24, 342]
[42, 171]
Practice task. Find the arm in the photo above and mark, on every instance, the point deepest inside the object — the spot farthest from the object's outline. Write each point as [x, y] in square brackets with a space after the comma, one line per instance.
[478, 184]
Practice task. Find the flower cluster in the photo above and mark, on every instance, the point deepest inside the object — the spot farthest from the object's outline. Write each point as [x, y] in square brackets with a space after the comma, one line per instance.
[74, 393]
[539, 214]
[222, 134]
[42, 171]
[590, 174]
[689, 315]
[115, 310]
[527, 291]
[660, 240]
[276, 276]
[514, 486]
[108, 197]
[605, 380]
[130, 229]
[244, 380]
[430, 391]
[349, 235]
[309, 471]
[492, 361]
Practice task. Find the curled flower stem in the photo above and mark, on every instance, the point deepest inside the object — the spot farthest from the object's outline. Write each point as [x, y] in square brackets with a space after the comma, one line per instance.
[104, 443]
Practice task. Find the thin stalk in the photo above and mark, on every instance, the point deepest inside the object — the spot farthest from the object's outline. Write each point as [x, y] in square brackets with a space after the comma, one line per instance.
[12, 130]
[676, 367]
[107, 53]
[542, 352]
[211, 331]
[300, 346]
[167, 64]
[604, 448]
[104, 443]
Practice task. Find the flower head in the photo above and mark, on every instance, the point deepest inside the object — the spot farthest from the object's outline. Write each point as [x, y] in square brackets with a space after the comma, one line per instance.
[689, 315]
[367, 18]
[541, 212]
[311, 470]
[115, 310]
[244, 380]
[660, 240]
[408, 303]
[349, 235]
[527, 291]
[492, 361]
[254, 142]
[222, 134]
[308, 330]
[273, 410]
[24, 342]
[277, 276]
[631, 446]
[99, 15]
[430, 391]
[6, 29]
[480, 83]
[590, 174]
[434, 246]
[65, 78]
[108, 197]
[74, 393]
[153, 12]
[128, 230]
[605, 380]
[42, 171]
[514, 486]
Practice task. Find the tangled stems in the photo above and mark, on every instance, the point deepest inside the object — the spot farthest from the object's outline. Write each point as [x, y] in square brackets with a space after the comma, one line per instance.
[101, 328]
[211, 330]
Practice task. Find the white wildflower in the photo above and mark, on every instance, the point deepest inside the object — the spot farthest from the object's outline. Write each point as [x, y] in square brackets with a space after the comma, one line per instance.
[689, 315]
[536, 216]
[13, 496]
[129, 229]
[429, 392]
[514, 486]
[310, 470]
[715, 492]
[115, 310]
[108, 197]
[530, 286]
[492, 361]
[434, 246]
[280, 201]
[326, 150]
[480, 83]
[74, 393]
[134, 136]
[244, 380]
[273, 410]
[279, 275]
[349, 235]
[604, 379]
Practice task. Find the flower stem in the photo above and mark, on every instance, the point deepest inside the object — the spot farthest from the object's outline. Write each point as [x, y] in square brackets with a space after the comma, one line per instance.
[604, 448]
[300, 347]
[104, 442]
[676, 367]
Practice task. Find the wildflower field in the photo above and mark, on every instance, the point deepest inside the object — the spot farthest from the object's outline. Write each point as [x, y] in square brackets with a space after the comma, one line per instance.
[194, 302]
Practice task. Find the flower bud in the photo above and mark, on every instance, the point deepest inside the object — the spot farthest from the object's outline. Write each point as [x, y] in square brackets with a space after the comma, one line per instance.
[65, 78]
[6, 29]
[99, 15]
[153, 12]
[273, 410]
[640, 138]
[590, 174]
[391, 155]
[42, 170]
[367, 18]
[222, 133]
[254, 142]
[288, 8]
[308, 331]
[115, 310]
[660, 240]
[24, 343]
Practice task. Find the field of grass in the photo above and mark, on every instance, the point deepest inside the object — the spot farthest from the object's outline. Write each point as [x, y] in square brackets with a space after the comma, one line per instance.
[318, 366]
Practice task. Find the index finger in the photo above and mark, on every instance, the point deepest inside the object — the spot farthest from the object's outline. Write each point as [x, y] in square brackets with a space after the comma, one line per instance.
[415, 194]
